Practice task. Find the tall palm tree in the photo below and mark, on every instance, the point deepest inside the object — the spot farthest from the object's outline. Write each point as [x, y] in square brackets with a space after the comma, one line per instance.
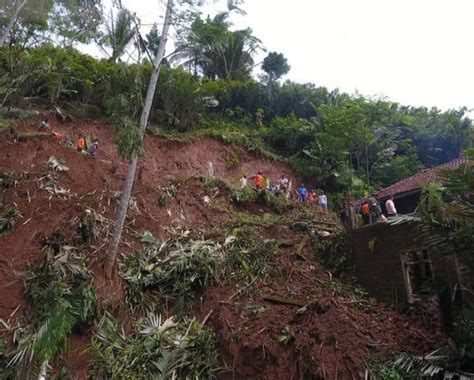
[119, 33]
[232, 57]
[202, 36]
[212, 49]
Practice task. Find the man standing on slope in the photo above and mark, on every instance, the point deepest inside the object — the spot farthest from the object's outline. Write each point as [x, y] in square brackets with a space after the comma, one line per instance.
[364, 210]
[81, 144]
[303, 193]
[375, 211]
[390, 207]
[243, 182]
[283, 183]
[323, 202]
[259, 181]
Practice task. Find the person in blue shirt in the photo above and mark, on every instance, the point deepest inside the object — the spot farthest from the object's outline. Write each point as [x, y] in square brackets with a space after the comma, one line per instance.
[303, 193]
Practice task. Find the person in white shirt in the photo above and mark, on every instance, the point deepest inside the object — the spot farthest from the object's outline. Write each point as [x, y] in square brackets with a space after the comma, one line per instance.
[243, 182]
[390, 207]
[323, 202]
[283, 183]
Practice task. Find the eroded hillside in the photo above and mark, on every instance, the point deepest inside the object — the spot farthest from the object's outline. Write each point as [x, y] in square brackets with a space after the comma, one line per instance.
[272, 311]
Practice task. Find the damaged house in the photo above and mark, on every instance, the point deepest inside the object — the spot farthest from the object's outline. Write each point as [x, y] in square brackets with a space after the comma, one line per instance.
[390, 263]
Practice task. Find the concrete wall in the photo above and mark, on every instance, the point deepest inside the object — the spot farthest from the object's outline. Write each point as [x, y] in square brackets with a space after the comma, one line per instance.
[379, 269]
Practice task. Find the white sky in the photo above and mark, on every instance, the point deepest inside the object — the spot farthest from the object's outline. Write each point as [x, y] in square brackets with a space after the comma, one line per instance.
[415, 52]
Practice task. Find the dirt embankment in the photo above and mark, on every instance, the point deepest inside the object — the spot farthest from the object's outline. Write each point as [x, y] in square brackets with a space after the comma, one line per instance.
[332, 337]
[94, 183]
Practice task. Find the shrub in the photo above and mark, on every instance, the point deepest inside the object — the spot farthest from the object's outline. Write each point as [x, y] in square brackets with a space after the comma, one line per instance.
[180, 100]
[244, 196]
[247, 257]
[61, 299]
[7, 220]
[332, 253]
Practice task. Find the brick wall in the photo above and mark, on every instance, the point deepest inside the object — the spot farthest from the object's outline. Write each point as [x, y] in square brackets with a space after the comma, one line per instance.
[376, 258]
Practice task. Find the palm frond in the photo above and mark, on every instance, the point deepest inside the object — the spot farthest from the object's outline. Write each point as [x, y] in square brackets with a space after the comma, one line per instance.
[57, 164]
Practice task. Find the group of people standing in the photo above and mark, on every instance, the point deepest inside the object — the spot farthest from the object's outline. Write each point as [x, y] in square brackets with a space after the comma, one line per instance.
[81, 144]
[284, 187]
[372, 212]
[312, 197]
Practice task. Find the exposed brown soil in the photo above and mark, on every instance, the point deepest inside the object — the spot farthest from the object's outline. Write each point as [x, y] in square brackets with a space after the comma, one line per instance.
[93, 182]
[332, 338]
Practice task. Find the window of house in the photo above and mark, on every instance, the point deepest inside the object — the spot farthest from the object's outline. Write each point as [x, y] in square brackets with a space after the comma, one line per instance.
[417, 273]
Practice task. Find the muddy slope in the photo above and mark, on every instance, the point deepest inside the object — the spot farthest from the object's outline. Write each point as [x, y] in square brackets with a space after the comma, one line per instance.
[333, 336]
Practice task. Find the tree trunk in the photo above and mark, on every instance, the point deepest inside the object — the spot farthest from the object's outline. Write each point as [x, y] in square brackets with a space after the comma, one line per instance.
[367, 168]
[16, 11]
[132, 167]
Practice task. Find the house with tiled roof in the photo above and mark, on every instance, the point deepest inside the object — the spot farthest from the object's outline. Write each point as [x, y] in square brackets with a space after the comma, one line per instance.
[407, 192]
[391, 263]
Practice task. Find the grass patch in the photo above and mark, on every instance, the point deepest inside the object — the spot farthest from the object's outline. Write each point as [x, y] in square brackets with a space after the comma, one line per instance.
[332, 253]
[212, 183]
[244, 219]
[233, 161]
[168, 192]
[253, 139]
[8, 117]
[244, 196]
[247, 196]
[4, 124]
[387, 370]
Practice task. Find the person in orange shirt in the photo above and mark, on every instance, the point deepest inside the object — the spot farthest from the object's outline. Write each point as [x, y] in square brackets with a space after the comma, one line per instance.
[81, 144]
[259, 181]
[364, 210]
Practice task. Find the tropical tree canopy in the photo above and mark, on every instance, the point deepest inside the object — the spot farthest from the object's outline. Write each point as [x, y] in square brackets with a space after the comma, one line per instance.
[275, 65]
[215, 51]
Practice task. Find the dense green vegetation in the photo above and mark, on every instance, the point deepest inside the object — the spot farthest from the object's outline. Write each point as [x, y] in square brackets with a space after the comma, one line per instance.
[333, 140]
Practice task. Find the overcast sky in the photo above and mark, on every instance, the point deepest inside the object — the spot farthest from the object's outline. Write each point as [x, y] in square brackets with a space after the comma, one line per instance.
[415, 52]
